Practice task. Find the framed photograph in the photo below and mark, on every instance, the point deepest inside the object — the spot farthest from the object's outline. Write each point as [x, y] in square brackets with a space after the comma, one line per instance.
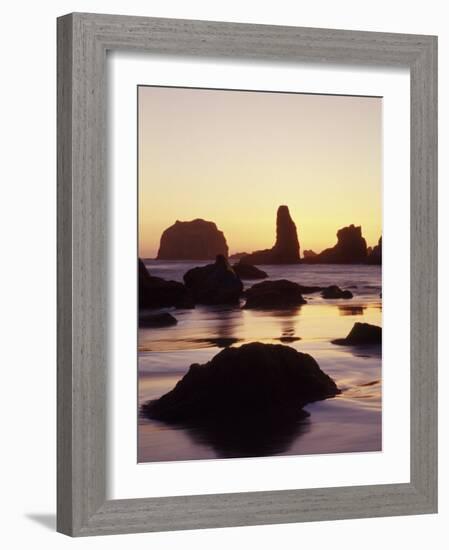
[247, 280]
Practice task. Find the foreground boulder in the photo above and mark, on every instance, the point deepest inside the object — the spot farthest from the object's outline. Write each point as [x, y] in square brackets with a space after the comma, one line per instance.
[334, 292]
[248, 271]
[350, 248]
[214, 283]
[156, 292]
[157, 320]
[361, 334]
[281, 294]
[258, 381]
[286, 247]
[194, 240]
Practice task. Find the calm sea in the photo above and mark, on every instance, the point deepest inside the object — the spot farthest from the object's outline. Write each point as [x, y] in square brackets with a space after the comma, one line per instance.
[350, 422]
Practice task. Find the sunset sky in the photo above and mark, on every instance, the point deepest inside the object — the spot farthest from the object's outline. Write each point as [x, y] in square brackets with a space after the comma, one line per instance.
[233, 157]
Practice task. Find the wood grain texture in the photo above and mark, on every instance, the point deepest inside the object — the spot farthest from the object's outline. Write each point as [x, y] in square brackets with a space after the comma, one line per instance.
[83, 40]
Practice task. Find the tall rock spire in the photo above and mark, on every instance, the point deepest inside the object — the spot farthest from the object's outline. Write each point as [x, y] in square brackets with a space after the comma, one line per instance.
[286, 248]
[287, 244]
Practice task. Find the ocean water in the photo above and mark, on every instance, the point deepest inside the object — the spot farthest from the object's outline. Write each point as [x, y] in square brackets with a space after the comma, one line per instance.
[350, 422]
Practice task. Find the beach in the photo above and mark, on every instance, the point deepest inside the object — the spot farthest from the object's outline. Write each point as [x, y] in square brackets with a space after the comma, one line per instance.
[349, 422]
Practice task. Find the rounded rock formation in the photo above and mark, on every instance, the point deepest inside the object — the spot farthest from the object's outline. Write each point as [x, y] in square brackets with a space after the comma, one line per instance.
[261, 381]
[281, 294]
[214, 283]
[193, 240]
[334, 292]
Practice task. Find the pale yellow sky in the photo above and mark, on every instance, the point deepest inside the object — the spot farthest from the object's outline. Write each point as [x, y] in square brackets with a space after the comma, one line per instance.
[233, 157]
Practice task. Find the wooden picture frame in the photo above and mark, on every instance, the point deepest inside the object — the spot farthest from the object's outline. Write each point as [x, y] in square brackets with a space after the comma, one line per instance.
[83, 40]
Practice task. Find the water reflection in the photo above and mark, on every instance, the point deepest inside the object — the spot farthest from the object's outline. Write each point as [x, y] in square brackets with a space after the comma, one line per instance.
[351, 310]
[226, 320]
[288, 326]
[248, 437]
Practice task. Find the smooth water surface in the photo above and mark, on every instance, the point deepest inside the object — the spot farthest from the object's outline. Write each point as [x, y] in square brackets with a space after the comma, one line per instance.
[350, 422]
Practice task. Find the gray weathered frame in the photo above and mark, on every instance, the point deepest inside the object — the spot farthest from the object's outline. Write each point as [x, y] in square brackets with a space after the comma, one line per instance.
[83, 40]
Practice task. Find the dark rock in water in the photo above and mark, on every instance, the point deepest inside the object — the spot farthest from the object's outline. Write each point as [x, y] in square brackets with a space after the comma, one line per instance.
[255, 381]
[309, 254]
[238, 255]
[361, 334]
[214, 283]
[156, 292]
[186, 303]
[334, 292]
[289, 339]
[375, 257]
[157, 320]
[309, 289]
[248, 271]
[194, 240]
[350, 248]
[286, 247]
[281, 294]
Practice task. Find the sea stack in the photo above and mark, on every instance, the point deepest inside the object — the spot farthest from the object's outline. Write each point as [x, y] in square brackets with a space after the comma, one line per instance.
[350, 248]
[193, 240]
[375, 257]
[286, 248]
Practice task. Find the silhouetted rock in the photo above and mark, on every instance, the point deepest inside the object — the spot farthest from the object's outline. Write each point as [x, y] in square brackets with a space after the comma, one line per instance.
[375, 257]
[362, 334]
[214, 283]
[334, 292]
[350, 248]
[248, 271]
[186, 303]
[157, 320]
[286, 248]
[309, 289]
[255, 381]
[194, 240]
[309, 254]
[281, 294]
[238, 255]
[157, 292]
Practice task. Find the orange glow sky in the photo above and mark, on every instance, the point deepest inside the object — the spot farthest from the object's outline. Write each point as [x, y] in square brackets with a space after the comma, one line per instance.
[233, 157]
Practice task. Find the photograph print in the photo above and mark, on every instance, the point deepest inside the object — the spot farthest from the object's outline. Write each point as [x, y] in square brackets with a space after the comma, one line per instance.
[259, 274]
